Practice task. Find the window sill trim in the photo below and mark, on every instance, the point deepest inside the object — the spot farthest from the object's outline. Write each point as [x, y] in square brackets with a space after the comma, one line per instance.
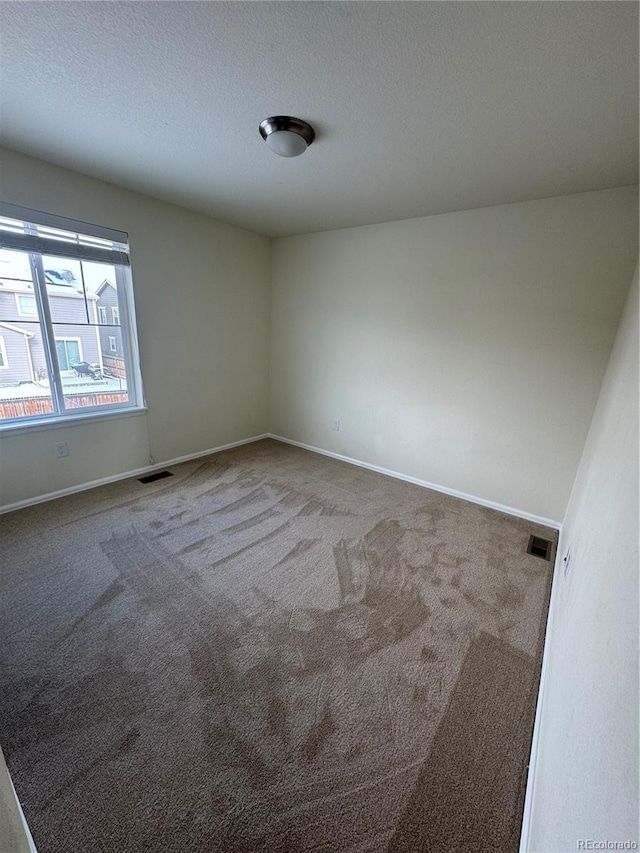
[65, 421]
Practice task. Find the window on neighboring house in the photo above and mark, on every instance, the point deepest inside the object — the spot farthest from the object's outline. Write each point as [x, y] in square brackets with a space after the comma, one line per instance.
[3, 354]
[61, 373]
[69, 352]
[27, 305]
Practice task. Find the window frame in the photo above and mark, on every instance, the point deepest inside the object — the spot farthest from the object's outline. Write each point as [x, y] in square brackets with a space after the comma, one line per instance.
[3, 354]
[65, 339]
[22, 313]
[34, 248]
[113, 344]
[115, 316]
[102, 316]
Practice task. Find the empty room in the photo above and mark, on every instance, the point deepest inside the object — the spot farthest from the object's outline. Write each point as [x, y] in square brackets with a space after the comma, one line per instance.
[319, 427]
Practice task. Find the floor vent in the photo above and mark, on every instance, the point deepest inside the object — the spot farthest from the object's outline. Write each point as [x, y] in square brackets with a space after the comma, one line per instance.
[539, 547]
[159, 475]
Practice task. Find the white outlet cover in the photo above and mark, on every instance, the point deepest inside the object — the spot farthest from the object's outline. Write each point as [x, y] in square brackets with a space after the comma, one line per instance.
[336, 425]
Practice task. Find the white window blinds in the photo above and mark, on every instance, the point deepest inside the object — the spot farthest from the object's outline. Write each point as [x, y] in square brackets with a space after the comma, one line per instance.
[30, 231]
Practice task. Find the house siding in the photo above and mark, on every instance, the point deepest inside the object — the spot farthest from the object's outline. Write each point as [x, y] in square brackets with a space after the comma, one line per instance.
[69, 309]
[69, 316]
[108, 299]
[15, 347]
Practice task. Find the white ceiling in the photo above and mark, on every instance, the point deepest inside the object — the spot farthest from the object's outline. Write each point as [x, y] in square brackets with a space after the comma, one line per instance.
[419, 107]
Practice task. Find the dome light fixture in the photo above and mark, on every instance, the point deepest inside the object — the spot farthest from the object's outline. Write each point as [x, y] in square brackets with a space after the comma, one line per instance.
[287, 136]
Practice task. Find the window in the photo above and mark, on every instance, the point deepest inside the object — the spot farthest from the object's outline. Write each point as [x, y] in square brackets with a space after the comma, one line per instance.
[26, 305]
[69, 352]
[59, 371]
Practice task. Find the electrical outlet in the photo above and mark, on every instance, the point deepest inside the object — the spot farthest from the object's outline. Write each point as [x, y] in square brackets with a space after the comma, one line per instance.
[336, 425]
[62, 450]
[567, 561]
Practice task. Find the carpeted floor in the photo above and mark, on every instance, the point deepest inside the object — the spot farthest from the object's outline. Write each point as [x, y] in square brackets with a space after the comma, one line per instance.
[269, 651]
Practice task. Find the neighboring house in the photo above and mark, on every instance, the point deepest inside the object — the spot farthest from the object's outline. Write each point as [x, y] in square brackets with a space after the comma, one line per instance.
[15, 354]
[110, 331]
[22, 357]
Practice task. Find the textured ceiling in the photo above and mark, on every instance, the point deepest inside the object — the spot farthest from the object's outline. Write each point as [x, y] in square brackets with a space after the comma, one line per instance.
[419, 107]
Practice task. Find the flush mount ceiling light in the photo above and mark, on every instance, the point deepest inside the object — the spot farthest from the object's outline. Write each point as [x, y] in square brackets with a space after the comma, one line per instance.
[287, 136]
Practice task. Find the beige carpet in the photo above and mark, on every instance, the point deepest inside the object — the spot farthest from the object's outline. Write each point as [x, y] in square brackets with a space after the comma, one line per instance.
[269, 651]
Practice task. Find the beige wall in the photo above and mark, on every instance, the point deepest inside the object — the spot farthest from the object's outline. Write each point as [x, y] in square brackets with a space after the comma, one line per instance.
[202, 300]
[465, 349]
[585, 783]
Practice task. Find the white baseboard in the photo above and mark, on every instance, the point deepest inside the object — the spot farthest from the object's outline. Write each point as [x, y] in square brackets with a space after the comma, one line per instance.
[538, 519]
[15, 834]
[147, 469]
[28, 838]
[527, 815]
[60, 493]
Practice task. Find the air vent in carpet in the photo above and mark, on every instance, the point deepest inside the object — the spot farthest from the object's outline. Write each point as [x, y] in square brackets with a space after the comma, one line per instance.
[539, 547]
[151, 478]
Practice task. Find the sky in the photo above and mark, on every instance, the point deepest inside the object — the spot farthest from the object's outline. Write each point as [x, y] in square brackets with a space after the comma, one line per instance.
[16, 265]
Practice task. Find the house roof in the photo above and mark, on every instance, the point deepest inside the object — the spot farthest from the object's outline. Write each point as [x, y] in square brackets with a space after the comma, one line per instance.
[63, 277]
[103, 285]
[17, 286]
[13, 328]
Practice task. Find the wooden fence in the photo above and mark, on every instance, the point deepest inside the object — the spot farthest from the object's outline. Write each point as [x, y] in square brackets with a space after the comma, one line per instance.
[113, 366]
[34, 406]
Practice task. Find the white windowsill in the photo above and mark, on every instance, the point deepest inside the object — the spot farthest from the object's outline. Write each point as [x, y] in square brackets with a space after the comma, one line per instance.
[65, 421]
